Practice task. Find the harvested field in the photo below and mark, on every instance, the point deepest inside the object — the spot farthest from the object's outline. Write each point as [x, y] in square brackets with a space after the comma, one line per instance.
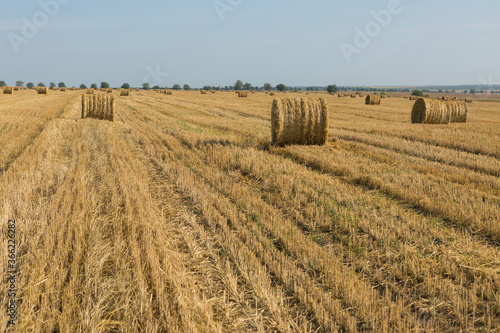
[181, 216]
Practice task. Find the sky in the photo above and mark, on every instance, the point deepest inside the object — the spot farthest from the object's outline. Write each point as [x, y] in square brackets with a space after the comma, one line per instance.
[216, 42]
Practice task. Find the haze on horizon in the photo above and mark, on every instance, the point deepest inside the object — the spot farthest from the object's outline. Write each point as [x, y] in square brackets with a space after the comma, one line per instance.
[216, 42]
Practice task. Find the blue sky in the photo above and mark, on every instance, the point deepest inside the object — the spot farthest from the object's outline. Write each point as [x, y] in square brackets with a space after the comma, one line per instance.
[295, 42]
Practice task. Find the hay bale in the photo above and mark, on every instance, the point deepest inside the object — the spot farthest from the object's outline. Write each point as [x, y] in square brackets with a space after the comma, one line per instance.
[168, 92]
[98, 106]
[62, 89]
[458, 111]
[203, 92]
[242, 94]
[125, 92]
[383, 96]
[372, 100]
[8, 90]
[109, 91]
[446, 98]
[354, 95]
[16, 88]
[43, 91]
[468, 100]
[427, 111]
[299, 121]
[90, 91]
[271, 94]
[413, 98]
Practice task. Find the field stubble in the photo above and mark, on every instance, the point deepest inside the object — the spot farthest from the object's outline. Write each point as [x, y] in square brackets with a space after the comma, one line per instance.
[181, 216]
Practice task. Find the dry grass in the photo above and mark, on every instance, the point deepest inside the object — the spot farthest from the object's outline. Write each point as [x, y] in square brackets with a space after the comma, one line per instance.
[181, 217]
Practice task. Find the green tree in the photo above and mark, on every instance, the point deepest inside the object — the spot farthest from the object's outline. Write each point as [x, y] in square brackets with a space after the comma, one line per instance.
[62, 85]
[281, 87]
[93, 86]
[83, 86]
[332, 88]
[52, 85]
[472, 91]
[418, 93]
[2, 84]
[104, 85]
[207, 88]
[30, 85]
[176, 87]
[40, 84]
[268, 87]
[238, 85]
[19, 83]
[187, 87]
[247, 86]
[125, 86]
[156, 87]
[145, 86]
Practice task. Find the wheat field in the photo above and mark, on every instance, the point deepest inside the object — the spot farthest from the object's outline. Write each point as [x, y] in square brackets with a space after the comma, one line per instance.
[180, 216]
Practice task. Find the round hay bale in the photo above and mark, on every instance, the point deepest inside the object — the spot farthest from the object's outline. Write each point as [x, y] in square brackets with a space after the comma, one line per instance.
[427, 111]
[90, 91]
[372, 100]
[468, 100]
[8, 90]
[413, 98]
[100, 106]
[242, 94]
[43, 91]
[125, 92]
[458, 111]
[446, 98]
[203, 92]
[299, 121]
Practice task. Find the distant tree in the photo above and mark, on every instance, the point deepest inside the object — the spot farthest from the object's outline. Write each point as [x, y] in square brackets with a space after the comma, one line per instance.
[238, 85]
[30, 85]
[125, 86]
[40, 84]
[104, 85]
[145, 86]
[61, 85]
[82, 86]
[207, 88]
[472, 91]
[268, 87]
[332, 88]
[2, 84]
[226, 88]
[281, 87]
[93, 86]
[440, 91]
[176, 87]
[418, 93]
[19, 83]
[247, 86]
[52, 85]
[186, 87]
[156, 87]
